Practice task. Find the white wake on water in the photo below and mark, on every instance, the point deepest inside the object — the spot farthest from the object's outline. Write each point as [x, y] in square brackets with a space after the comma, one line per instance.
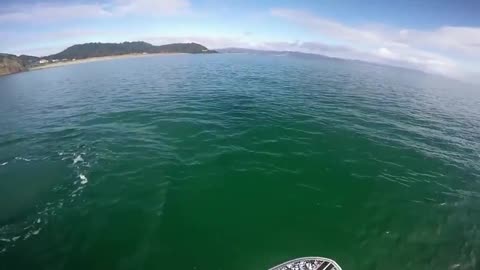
[31, 226]
[22, 158]
[83, 178]
[78, 159]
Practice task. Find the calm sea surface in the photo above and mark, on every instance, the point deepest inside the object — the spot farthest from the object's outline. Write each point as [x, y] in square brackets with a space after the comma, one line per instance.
[237, 162]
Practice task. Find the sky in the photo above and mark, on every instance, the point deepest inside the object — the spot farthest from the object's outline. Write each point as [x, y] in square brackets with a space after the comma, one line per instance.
[434, 36]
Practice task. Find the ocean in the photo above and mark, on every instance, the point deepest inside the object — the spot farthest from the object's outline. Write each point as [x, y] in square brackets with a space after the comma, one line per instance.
[236, 162]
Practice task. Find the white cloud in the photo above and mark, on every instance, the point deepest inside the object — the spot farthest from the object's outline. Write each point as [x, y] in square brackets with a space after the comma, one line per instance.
[384, 52]
[465, 40]
[47, 12]
[327, 27]
[152, 7]
[443, 50]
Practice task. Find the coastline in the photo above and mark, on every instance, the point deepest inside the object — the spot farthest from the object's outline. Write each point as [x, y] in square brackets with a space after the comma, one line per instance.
[96, 59]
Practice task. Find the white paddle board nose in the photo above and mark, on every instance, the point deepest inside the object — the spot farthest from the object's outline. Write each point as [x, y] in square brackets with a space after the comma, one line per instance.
[308, 263]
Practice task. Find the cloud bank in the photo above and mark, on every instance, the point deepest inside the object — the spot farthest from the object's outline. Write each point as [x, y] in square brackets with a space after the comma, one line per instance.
[48, 12]
[441, 50]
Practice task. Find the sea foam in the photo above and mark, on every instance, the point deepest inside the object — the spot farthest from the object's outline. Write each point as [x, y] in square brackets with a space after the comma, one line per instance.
[83, 178]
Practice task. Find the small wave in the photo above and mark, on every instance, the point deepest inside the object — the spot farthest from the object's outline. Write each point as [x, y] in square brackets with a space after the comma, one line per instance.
[22, 158]
[15, 238]
[4, 163]
[395, 179]
[78, 159]
[309, 187]
[455, 266]
[83, 178]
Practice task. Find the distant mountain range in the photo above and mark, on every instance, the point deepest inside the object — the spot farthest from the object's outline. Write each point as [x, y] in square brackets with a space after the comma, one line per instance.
[276, 53]
[311, 56]
[11, 63]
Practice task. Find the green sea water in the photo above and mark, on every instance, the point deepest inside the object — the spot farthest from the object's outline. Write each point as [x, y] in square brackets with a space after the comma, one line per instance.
[237, 162]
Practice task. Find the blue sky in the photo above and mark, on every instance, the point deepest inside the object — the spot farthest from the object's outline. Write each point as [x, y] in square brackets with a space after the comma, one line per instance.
[436, 36]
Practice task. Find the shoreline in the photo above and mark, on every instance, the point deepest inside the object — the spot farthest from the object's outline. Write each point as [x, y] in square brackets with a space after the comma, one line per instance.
[97, 59]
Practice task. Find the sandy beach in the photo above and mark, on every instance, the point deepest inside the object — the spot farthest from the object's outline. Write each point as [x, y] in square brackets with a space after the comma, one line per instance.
[95, 59]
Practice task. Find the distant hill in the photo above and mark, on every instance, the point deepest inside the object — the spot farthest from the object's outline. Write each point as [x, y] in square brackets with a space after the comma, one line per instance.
[242, 50]
[276, 53]
[10, 63]
[28, 59]
[312, 56]
[88, 50]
